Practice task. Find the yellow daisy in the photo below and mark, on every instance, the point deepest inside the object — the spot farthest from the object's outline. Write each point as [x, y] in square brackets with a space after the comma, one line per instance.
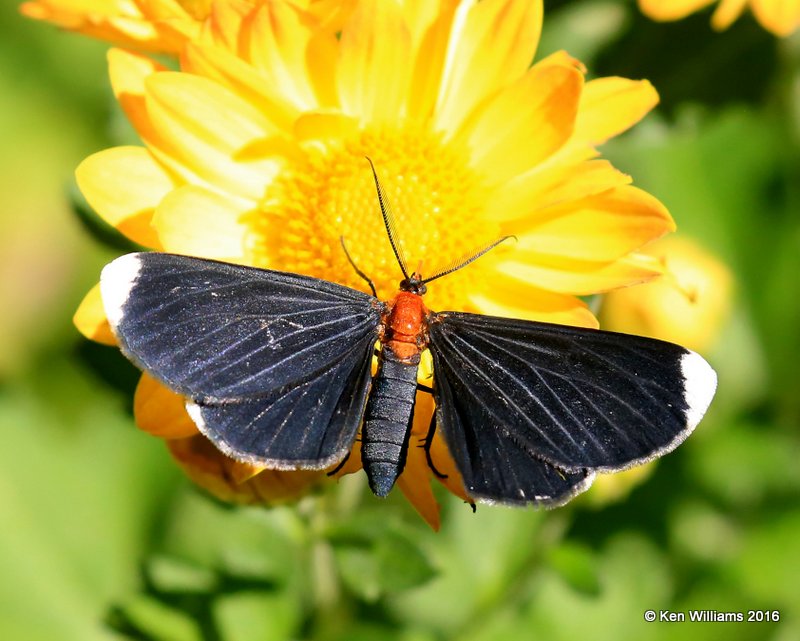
[254, 152]
[781, 17]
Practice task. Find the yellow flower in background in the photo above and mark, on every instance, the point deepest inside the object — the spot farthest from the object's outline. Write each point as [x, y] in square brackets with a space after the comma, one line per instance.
[781, 17]
[254, 152]
[687, 305]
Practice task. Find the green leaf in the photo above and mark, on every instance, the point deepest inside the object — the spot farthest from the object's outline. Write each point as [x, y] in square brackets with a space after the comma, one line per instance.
[401, 564]
[249, 615]
[577, 566]
[358, 568]
[170, 574]
[157, 621]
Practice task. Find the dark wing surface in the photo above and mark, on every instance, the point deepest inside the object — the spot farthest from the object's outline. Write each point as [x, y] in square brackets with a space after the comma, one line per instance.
[276, 366]
[563, 401]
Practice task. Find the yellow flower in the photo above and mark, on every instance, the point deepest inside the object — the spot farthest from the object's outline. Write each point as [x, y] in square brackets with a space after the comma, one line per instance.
[781, 17]
[255, 153]
[687, 305]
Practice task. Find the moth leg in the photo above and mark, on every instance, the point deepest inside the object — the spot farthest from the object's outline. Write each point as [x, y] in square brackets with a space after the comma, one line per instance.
[426, 444]
[336, 469]
[424, 388]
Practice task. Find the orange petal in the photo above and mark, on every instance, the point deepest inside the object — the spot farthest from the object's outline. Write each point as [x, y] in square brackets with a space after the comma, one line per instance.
[124, 185]
[90, 318]
[552, 185]
[197, 222]
[431, 37]
[373, 70]
[277, 486]
[211, 470]
[612, 105]
[207, 467]
[598, 228]
[128, 71]
[127, 23]
[491, 45]
[160, 411]
[241, 471]
[671, 9]
[506, 140]
[414, 482]
[570, 276]
[277, 45]
[449, 476]
[224, 24]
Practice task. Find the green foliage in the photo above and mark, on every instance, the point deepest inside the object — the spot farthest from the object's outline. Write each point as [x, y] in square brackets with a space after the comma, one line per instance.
[103, 539]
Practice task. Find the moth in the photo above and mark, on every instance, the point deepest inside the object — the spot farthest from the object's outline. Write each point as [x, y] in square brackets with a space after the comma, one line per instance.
[277, 371]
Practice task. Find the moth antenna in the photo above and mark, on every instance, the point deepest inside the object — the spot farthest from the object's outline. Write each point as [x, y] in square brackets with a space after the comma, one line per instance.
[389, 221]
[466, 259]
[357, 270]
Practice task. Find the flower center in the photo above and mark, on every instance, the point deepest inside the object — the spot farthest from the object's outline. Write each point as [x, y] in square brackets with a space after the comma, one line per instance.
[436, 199]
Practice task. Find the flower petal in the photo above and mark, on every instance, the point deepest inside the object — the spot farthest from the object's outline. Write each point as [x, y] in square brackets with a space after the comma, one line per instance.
[612, 105]
[552, 185]
[124, 186]
[414, 482]
[506, 140]
[225, 23]
[155, 26]
[511, 298]
[207, 135]
[492, 44]
[161, 412]
[432, 36]
[244, 80]
[569, 276]
[90, 318]
[781, 17]
[726, 13]
[197, 222]
[212, 470]
[671, 9]
[279, 36]
[598, 228]
[373, 71]
[449, 476]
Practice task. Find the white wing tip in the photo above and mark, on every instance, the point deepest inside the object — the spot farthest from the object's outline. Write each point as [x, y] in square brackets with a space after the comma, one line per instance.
[700, 384]
[116, 282]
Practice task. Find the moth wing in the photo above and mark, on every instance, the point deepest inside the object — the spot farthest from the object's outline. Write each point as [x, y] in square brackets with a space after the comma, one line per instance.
[275, 366]
[512, 393]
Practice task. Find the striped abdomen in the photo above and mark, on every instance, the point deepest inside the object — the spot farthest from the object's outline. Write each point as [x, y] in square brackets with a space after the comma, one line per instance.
[390, 408]
[387, 420]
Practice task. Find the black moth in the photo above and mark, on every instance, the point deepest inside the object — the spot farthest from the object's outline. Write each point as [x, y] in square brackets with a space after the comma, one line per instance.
[276, 369]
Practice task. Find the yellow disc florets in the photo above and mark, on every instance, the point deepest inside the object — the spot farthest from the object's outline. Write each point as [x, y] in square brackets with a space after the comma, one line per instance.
[436, 199]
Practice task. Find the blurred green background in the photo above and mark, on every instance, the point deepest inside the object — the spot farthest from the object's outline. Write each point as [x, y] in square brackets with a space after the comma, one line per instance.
[102, 538]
